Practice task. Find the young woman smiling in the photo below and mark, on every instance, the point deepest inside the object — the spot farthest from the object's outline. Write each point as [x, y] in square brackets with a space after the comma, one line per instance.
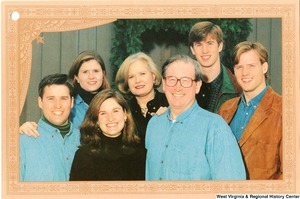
[110, 148]
[88, 75]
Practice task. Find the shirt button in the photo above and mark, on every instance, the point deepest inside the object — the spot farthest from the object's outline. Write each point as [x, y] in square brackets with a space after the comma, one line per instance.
[247, 113]
[160, 178]
[166, 146]
[162, 162]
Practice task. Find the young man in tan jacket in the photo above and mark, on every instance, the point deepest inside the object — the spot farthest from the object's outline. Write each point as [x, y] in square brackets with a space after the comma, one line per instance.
[256, 117]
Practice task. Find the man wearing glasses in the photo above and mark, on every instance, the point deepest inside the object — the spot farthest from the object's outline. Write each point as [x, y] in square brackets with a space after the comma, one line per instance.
[188, 142]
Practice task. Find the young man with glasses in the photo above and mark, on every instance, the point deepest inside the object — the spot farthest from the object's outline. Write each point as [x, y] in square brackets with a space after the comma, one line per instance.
[187, 142]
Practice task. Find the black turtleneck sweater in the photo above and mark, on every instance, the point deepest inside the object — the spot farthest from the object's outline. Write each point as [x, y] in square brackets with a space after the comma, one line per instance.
[112, 161]
[86, 95]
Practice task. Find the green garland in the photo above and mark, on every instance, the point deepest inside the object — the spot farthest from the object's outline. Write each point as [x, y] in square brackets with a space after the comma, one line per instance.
[135, 35]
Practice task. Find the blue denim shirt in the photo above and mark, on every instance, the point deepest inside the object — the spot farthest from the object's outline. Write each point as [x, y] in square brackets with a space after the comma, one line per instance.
[244, 113]
[48, 157]
[78, 111]
[199, 145]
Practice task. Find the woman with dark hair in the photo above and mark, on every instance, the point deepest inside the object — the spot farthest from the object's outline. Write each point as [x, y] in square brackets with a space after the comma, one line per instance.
[88, 75]
[110, 148]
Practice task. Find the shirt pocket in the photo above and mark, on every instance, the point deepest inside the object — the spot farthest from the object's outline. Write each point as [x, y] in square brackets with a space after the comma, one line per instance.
[180, 164]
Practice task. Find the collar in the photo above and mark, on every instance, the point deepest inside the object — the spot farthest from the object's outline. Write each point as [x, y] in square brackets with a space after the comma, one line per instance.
[86, 95]
[135, 104]
[216, 83]
[110, 140]
[256, 100]
[63, 129]
[184, 115]
[79, 100]
[46, 127]
[227, 85]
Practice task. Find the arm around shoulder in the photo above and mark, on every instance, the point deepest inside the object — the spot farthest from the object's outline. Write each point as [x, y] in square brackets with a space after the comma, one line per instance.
[29, 128]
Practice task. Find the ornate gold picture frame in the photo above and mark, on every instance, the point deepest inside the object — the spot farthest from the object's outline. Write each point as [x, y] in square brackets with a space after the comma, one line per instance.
[53, 16]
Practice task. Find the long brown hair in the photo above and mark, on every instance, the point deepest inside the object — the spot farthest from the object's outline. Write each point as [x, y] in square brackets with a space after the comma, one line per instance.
[90, 130]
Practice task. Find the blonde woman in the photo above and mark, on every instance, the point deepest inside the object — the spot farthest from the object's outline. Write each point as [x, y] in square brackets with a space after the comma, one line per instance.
[139, 77]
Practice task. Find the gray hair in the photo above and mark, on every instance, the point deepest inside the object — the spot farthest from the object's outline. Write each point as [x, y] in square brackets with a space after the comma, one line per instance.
[185, 59]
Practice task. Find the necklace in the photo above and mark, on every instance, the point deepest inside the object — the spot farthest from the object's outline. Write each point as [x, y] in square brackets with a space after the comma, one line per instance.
[144, 111]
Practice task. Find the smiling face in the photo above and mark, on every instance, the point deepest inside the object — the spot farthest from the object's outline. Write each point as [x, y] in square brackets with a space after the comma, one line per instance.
[90, 76]
[56, 104]
[207, 52]
[250, 74]
[111, 118]
[140, 79]
[180, 98]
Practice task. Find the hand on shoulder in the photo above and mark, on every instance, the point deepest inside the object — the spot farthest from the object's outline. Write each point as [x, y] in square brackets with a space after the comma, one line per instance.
[29, 128]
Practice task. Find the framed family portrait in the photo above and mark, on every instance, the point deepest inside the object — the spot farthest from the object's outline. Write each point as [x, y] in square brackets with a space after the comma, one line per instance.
[38, 39]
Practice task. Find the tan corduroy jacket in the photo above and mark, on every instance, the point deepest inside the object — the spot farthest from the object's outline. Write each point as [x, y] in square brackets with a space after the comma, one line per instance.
[261, 141]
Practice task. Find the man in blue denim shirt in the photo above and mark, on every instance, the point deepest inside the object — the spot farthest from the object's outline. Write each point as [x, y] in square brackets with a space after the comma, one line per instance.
[49, 157]
[188, 142]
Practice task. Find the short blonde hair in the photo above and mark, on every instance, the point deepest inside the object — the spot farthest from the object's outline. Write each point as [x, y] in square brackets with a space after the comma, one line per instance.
[122, 74]
[246, 46]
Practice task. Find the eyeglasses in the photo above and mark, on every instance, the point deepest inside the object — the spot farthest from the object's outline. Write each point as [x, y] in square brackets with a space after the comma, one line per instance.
[185, 82]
